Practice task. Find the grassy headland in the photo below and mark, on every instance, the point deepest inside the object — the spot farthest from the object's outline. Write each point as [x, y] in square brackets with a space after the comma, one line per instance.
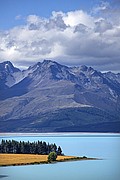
[26, 159]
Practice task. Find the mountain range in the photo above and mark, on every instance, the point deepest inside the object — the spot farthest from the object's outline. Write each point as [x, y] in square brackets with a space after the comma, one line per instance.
[50, 97]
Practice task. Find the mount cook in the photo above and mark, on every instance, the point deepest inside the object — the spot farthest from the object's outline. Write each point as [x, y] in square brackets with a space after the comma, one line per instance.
[50, 97]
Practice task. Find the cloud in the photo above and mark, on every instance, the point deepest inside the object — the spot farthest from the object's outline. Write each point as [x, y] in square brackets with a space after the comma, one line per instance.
[102, 26]
[108, 10]
[72, 38]
[18, 17]
[78, 17]
[101, 7]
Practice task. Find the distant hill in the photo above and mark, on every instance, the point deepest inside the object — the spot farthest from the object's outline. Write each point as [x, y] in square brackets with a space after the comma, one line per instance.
[50, 97]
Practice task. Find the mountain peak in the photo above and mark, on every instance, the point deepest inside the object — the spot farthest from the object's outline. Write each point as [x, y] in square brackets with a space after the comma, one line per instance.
[83, 68]
[7, 62]
[47, 61]
[8, 67]
[49, 96]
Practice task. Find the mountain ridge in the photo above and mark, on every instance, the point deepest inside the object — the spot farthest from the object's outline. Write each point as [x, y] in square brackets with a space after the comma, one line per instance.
[41, 98]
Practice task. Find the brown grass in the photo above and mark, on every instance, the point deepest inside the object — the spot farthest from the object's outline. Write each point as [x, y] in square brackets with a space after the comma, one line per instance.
[23, 159]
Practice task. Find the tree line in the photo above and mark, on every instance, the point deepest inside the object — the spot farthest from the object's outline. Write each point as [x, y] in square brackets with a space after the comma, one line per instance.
[39, 147]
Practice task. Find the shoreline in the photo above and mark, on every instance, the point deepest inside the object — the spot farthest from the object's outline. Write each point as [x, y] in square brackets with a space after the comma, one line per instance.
[49, 134]
[28, 159]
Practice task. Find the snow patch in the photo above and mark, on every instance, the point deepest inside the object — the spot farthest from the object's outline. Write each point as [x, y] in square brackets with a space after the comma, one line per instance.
[113, 94]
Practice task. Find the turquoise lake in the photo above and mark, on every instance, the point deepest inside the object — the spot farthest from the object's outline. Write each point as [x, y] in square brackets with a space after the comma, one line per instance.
[104, 146]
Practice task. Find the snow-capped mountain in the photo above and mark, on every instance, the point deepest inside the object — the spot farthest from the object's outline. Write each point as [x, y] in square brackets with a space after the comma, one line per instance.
[52, 97]
[7, 74]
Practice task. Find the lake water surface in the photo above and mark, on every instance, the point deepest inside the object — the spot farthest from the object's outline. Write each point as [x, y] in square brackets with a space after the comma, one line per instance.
[104, 146]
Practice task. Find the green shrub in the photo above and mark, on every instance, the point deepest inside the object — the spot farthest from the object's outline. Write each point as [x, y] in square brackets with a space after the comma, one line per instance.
[84, 157]
[52, 156]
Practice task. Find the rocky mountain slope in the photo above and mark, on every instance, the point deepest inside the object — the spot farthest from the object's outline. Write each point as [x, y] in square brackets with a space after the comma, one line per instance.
[50, 97]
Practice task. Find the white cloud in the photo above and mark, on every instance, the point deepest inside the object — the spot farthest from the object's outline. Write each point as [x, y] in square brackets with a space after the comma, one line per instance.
[18, 17]
[74, 18]
[103, 6]
[74, 37]
[102, 25]
[33, 19]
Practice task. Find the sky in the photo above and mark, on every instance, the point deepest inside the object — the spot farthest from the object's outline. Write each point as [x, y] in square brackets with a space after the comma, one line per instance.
[71, 32]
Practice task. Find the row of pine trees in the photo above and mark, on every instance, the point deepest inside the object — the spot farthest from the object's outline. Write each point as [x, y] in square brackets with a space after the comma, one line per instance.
[39, 147]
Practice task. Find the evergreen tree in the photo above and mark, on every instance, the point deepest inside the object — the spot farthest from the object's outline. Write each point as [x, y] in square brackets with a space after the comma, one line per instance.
[12, 146]
[59, 151]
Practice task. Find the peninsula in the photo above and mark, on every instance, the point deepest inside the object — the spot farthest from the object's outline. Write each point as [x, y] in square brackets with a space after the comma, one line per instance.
[31, 159]
[14, 153]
